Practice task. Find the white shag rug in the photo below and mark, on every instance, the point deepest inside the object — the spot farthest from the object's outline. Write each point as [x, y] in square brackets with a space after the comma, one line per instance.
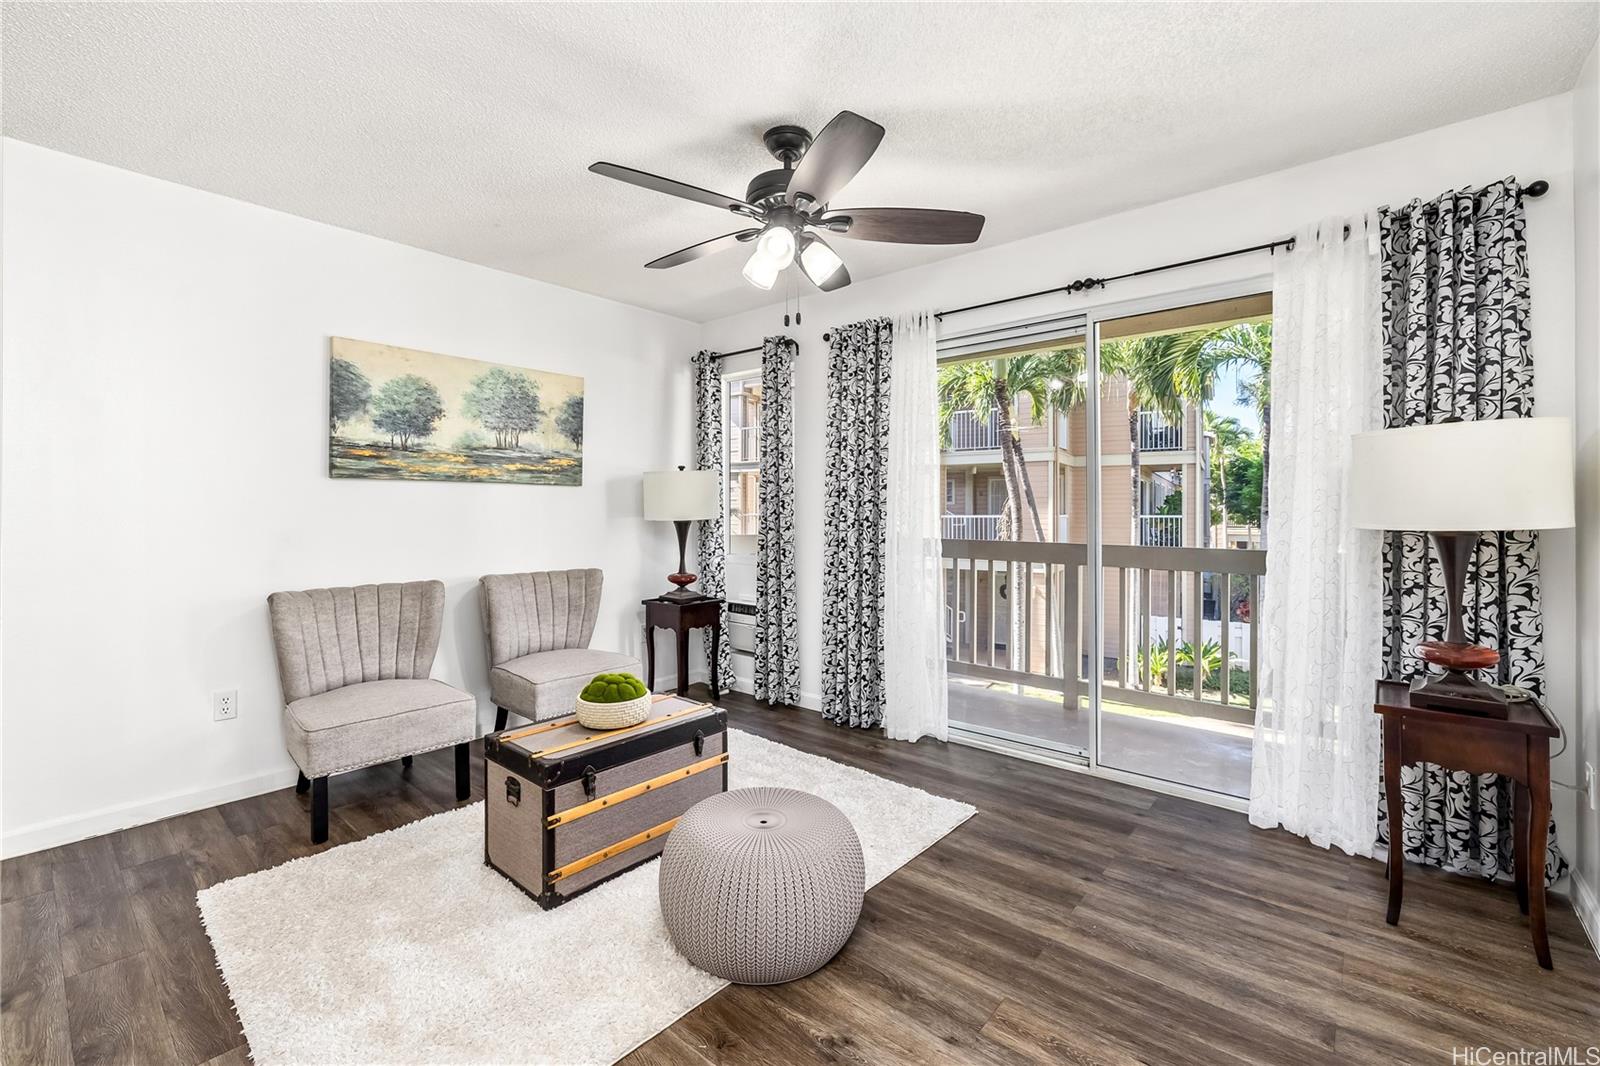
[405, 948]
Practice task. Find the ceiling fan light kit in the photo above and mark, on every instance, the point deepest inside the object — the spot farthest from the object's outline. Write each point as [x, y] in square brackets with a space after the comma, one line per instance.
[792, 201]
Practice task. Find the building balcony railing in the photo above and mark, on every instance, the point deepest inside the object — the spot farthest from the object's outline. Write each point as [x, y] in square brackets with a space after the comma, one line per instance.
[1156, 434]
[986, 527]
[744, 444]
[1161, 530]
[1017, 612]
[970, 527]
[972, 432]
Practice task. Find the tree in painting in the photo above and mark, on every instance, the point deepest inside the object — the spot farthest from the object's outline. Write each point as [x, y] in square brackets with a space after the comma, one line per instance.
[349, 393]
[570, 420]
[506, 404]
[407, 408]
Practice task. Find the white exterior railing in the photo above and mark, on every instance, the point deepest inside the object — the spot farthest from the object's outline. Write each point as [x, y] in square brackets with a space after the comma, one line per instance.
[1156, 434]
[1161, 530]
[970, 432]
[744, 444]
[970, 527]
[1015, 613]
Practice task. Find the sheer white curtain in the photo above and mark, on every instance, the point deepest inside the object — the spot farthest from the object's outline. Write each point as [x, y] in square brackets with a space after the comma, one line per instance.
[1316, 751]
[916, 703]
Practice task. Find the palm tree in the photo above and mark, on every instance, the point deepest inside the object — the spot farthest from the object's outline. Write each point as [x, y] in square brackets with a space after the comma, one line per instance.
[1046, 379]
[1145, 363]
[1226, 433]
[1245, 346]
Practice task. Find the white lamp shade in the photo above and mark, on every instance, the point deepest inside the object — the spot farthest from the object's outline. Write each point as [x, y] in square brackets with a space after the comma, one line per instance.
[1507, 473]
[681, 495]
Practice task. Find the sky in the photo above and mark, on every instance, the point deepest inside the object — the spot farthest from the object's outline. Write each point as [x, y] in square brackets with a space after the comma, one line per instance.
[1225, 403]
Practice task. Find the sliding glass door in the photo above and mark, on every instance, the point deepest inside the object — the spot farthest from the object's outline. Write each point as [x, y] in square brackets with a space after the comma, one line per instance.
[1010, 397]
[1103, 493]
[1183, 404]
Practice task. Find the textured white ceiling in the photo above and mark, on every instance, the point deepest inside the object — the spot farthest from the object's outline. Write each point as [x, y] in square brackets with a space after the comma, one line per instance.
[466, 128]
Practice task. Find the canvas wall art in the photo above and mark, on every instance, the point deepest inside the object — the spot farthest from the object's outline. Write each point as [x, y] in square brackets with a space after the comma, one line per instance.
[401, 414]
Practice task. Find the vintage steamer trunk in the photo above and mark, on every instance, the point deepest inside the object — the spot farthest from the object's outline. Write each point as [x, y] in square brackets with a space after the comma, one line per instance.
[569, 807]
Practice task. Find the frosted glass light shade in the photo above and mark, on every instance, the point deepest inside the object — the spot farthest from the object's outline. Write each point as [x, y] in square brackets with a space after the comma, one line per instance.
[776, 244]
[761, 271]
[1507, 473]
[819, 261]
[681, 495]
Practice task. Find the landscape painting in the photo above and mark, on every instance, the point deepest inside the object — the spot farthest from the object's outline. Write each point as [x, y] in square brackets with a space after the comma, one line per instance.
[400, 414]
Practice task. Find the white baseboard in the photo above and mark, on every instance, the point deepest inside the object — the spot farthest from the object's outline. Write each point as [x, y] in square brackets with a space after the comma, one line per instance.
[1587, 903]
[68, 830]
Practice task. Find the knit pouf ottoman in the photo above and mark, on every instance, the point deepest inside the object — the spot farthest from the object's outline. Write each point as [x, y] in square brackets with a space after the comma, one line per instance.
[761, 885]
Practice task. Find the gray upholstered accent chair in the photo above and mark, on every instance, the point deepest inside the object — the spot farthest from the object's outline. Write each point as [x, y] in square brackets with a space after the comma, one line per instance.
[354, 666]
[537, 628]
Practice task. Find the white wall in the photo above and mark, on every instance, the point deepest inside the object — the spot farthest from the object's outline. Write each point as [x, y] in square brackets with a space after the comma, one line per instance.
[1532, 141]
[1586, 192]
[165, 467]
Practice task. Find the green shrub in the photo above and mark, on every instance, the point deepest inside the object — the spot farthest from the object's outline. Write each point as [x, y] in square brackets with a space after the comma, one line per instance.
[613, 688]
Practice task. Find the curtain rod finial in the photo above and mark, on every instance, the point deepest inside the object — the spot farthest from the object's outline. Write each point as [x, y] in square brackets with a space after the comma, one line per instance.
[1537, 188]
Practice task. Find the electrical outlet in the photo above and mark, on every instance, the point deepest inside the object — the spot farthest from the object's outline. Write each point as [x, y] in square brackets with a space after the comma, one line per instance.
[1589, 784]
[225, 705]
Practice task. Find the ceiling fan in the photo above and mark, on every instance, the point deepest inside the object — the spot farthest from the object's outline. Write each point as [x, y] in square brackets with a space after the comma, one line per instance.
[789, 205]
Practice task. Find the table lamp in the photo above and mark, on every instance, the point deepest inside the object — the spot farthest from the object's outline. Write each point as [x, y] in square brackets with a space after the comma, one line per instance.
[1453, 480]
[682, 496]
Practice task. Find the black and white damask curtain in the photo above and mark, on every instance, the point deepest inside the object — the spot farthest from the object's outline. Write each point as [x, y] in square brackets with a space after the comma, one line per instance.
[777, 654]
[711, 544]
[855, 494]
[1456, 347]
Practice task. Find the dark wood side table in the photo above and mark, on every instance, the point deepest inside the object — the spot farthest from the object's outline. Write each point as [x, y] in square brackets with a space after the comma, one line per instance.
[680, 616]
[1516, 747]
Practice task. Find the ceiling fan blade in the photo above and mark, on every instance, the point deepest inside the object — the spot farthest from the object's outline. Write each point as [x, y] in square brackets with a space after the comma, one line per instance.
[701, 250]
[905, 225]
[656, 183]
[837, 155]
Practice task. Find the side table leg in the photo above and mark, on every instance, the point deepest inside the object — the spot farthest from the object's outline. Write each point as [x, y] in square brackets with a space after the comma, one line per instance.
[649, 658]
[1397, 813]
[683, 663]
[1538, 830]
[1519, 804]
[716, 660]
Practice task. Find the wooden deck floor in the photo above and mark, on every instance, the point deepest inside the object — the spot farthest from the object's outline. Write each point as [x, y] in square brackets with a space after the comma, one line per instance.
[1073, 920]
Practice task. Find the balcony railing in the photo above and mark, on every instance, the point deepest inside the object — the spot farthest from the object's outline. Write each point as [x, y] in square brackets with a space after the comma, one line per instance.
[1161, 530]
[970, 527]
[744, 444]
[971, 432]
[1156, 434]
[985, 527]
[1016, 612]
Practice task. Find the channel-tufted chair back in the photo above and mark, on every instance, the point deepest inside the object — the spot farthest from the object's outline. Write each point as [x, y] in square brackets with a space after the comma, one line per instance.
[329, 638]
[543, 611]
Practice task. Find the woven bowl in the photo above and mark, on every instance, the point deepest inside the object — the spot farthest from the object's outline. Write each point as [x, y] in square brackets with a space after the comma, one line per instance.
[613, 715]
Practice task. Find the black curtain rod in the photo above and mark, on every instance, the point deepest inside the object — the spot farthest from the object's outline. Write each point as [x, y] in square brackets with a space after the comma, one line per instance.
[1534, 189]
[741, 351]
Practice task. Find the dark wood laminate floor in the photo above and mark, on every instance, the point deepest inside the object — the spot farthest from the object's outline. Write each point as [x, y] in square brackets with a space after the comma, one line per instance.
[1073, 920]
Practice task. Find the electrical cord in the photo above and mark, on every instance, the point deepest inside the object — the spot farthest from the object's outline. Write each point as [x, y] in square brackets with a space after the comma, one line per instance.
[1518, 694]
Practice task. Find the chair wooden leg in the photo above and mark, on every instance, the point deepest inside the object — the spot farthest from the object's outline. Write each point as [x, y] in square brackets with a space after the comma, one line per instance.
[319, 810]
[499, 719]
[405, 760]
[302, 785]
[463, 771]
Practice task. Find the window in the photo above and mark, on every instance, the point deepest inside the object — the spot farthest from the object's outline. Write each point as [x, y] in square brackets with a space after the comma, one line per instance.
[949, 492]
[742, 422]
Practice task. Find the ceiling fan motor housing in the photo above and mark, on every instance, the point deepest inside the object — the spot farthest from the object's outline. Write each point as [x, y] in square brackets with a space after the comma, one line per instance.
[768, 187]
[787, 145]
